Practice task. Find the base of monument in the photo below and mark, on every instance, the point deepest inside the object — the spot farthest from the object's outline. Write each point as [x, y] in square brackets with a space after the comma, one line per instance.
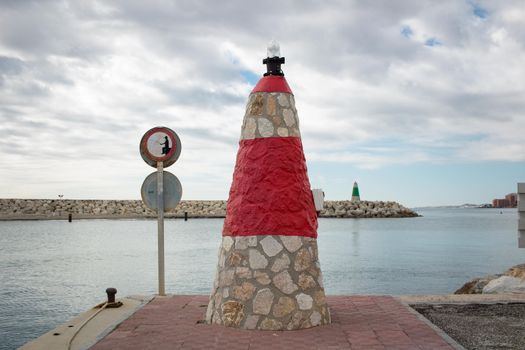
[268, 282]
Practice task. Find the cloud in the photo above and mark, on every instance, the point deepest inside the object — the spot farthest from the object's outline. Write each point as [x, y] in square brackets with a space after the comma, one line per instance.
[195, 95]
[376, 84]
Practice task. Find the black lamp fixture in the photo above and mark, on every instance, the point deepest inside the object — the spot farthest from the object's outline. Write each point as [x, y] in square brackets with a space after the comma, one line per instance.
[273, 61]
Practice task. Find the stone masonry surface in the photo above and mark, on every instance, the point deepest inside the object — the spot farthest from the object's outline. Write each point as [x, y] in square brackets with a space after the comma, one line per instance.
[270, 115]
[60, 208]
[358, 323]
[268, 282]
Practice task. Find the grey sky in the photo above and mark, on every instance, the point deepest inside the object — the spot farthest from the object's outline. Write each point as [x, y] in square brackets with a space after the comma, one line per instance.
[377, 83]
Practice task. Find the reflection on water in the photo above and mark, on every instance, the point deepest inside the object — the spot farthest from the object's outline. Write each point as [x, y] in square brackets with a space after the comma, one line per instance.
[52, 270]
[354, 228]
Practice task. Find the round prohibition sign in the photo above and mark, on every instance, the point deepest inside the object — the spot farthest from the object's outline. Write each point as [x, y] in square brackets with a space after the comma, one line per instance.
[160, 144]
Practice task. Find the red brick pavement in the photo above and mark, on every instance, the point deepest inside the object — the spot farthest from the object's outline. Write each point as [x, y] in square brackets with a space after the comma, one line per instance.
[358, 322]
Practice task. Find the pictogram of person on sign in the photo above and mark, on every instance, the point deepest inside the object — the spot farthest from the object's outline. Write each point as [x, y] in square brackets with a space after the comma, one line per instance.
[166, 144]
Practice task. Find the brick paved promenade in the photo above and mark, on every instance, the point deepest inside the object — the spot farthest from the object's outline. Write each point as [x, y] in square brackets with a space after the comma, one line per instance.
[358, 322]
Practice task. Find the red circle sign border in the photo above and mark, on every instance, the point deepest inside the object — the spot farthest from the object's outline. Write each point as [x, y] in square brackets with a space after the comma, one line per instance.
[172, 136]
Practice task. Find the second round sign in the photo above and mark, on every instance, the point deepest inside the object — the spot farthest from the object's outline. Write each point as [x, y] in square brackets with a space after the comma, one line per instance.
[172, 191]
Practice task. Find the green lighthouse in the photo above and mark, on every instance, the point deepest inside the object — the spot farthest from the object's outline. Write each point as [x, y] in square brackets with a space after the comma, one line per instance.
[355, 193]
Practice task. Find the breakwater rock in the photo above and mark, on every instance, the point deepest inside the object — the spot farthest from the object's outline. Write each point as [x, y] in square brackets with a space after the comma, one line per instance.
[511, 281]
[13, 209]
[365, 209]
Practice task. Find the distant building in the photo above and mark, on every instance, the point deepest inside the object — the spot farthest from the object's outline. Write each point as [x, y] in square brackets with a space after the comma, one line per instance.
[510, 201]
[512, 198]
[355, 193]
[499, 203]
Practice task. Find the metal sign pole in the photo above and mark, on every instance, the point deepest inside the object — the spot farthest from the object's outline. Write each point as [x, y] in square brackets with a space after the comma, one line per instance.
[160, 147]
[160, 211]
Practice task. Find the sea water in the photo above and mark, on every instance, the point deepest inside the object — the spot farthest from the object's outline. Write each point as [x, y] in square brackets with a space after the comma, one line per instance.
[52, 270]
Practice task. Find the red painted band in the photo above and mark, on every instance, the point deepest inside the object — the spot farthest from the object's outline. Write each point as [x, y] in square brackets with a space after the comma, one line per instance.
[272, 83]
[270, 193]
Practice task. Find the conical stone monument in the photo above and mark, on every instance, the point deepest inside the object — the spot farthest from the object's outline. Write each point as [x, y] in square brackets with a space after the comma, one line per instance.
[268, 273]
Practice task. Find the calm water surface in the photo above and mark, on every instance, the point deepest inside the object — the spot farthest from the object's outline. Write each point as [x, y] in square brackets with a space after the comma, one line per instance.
[53, 270]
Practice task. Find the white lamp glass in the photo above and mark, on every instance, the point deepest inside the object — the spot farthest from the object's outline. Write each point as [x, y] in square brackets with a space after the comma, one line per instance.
[274, 50]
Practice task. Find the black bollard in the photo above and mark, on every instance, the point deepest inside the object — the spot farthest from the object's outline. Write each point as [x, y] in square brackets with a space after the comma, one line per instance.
[111, 295]
[111, 292]
[70, 217]
[185, 216]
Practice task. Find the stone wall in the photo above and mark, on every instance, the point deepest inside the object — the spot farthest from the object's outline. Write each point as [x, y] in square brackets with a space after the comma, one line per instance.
[268, 282]
[60, 208]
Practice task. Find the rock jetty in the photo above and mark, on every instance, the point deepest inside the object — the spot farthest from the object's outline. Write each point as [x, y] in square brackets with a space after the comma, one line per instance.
[17, 209]
[365, 209]
[511, 281]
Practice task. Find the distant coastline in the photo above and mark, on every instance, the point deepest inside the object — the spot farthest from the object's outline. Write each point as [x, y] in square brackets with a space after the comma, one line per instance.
[461, 206]
[59, 209]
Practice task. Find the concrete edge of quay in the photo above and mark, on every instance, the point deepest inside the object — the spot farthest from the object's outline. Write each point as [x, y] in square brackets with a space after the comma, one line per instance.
[93, 331]
[462, 298]
[436, 329]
